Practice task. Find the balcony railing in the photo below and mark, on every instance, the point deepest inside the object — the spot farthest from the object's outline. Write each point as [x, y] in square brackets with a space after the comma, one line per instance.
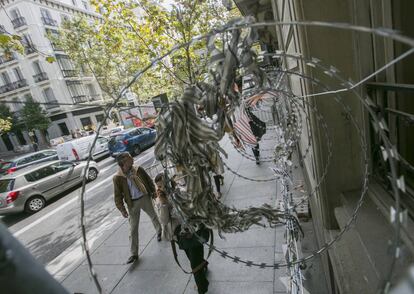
[95, 97]
[56, 47]
[29, 49]
[49, 21]
[53, 104]
[80, 99]
[20, 84]
[42, 76]
[68, 73]
[18, 22]
[4, 59]
[6, 88]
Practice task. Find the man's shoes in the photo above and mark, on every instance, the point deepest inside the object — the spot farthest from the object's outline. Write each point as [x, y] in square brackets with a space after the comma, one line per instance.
[132, 259]
[159, 237]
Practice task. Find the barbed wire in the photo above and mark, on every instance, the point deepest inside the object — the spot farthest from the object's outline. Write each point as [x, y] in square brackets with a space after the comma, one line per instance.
[388, 147]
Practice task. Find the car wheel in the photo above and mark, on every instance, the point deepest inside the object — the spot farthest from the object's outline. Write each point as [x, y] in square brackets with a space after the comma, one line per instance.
[137, 150]
[35, 204]
[92, 174]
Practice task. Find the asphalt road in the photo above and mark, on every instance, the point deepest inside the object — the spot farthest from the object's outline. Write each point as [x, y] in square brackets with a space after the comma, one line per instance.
[49, 232]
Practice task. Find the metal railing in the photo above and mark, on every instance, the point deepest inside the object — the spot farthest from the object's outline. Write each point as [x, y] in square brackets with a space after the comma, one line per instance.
[20, 83]
[40, 77]
[18, 22]
[80, 99]
[54, 104]
[4, 59]
[29, 49]
[68, 73]
[49, 21]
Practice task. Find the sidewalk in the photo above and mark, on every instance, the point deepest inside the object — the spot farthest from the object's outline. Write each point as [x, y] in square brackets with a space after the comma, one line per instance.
[157, 272]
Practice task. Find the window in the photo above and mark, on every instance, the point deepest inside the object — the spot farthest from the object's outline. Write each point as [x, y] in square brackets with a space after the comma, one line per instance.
[25, 160]
[27, 40]
[145, 131]
[15, 13]
[64, 129]
[45, 13]
[2, 29]
[48, 94]
[49, 153]
[37, 68]
[91, 89]
[85, 5]
[102, 140]
[5, 77]
[18, 74]
[86, 121]
[61, 166]
[6, 185]
[40, 174]
[74, 2]
[100, 118]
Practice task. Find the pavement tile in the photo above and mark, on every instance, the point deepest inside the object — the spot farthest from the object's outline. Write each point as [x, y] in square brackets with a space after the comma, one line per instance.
[225, 270]
[234, 287]
[121, 236]
[158, 256]
[116, 255]
[108, 275]
[152, 282]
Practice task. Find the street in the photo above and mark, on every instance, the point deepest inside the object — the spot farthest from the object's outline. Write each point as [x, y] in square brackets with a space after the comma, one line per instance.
[49, 232]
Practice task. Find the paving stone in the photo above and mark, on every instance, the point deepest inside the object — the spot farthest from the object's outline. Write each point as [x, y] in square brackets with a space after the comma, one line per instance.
[108, 275]
[152, 282]
[112, 255]
[121, 236]
[233, 287]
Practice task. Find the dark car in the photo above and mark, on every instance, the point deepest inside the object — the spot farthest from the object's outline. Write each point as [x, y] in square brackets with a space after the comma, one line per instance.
[133, 141]
[10, 166]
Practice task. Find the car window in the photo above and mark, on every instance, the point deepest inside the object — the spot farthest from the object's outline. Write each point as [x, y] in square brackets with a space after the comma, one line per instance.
[6, 185]
[25, 160]
[145, 131]
[102, 140]
[61, 166]
[49, 153]
[6, 165]
[40, 174]
[134, 133]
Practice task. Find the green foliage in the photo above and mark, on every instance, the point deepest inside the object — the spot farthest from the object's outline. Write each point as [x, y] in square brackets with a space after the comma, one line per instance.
[8, 116]
[120, 44]
[10, 44]
[33, 116]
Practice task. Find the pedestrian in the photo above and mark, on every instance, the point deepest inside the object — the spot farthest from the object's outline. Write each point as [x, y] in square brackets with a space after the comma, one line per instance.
[35, 146]
[186, 240]
[133, 186]
[259, 129]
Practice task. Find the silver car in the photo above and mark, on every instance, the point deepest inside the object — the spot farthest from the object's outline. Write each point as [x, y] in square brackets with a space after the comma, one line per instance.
[29, 188]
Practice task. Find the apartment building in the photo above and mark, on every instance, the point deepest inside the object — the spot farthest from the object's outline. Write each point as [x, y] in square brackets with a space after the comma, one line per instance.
[361, 260]
[30, 75]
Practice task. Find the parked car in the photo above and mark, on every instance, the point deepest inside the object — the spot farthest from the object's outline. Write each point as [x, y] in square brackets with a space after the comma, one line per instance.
[133, 141]
[10, 166]
[28, 189]
[78, 149]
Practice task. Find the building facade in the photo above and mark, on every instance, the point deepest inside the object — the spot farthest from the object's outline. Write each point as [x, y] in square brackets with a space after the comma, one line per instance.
[361, 260]
[30, 75]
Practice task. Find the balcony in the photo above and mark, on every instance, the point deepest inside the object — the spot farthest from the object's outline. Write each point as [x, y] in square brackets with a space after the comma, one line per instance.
[94, 97]
[80, 99]
[42, 76]
[53, 104]
[29, 49]
[69, 73]
[7, 88]
[4, 59]
[20, 84]
[49, 21]
[18, 22]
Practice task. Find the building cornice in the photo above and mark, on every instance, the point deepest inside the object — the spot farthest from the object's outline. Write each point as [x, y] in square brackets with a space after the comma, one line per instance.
[56, 5]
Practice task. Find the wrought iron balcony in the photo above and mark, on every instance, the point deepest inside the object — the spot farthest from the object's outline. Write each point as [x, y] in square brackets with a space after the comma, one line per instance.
[7, 88]
[42, 76]
[95, 97]
[29, 49]
[49, 21]
[18, 22]
[20, 84]
[80, 99]
[4, 59]
[68, 73]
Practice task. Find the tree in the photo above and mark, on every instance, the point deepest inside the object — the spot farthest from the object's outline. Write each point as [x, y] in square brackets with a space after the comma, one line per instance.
[5, 125]
[8, 121]
[34, 117]
[132, 33]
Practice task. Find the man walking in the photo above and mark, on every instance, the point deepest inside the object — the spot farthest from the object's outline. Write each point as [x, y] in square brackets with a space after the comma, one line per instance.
[134, 187]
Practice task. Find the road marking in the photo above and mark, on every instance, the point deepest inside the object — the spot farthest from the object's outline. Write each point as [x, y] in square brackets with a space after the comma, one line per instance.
[47, 215]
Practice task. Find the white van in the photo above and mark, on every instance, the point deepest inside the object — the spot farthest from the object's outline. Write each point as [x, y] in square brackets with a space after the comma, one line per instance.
[78, 149]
